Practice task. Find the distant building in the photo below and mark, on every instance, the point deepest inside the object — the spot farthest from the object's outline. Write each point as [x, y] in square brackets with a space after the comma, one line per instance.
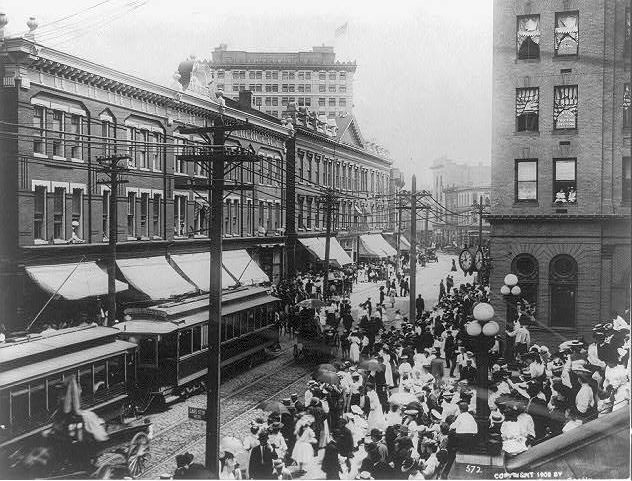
[561, 171]
[313, 79]
[449, 174]
[462, 222]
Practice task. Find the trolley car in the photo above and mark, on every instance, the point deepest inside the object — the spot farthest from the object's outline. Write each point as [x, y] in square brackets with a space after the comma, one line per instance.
[172, 339]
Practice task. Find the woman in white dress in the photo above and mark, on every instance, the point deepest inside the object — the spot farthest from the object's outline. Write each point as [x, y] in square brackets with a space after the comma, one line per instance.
[354, 349]
[388, 372]
[376, 418]
[357, 424]
[303, 452]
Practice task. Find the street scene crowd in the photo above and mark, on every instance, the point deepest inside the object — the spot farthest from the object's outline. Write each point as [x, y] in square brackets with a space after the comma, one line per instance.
[398, 397]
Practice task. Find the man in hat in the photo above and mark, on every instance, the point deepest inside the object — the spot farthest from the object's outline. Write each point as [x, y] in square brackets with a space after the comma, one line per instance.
[448, 408]
[465, 428]
[437, 367]
[261, 459]
[276, 439]
[468, 372]
[377, 437]
[298, 405]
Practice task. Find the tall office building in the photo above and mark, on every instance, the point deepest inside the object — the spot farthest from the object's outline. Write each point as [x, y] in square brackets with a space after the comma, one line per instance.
[561, 183]
[309, 79]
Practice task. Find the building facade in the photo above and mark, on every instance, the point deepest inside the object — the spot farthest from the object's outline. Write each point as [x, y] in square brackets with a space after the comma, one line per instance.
[561, 160]
[61, 114]
[462, 220]
[312, 79]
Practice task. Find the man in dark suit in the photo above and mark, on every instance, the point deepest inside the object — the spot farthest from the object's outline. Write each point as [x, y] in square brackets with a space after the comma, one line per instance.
[261, 459]
[420, 305]
[468, 373]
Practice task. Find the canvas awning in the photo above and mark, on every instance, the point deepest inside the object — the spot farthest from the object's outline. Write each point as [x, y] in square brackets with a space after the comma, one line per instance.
[196, 267]
[374, 245]
[404, 245]
[316, 246]
[154, 277]
[74, 281]
[241, 266]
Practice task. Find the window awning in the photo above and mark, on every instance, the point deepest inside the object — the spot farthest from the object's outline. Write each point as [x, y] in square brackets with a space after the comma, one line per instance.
[196, 267]
[39, 369]
[154, 277]
[374, 245]
[404, 245]
[316, 246]
[241, 266]
[87, 280]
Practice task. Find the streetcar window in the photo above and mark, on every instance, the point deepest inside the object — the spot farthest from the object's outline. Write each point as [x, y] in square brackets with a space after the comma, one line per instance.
[243, 321]
[20, 406]
[167, 347]
[147, 351]
[185, 342]
[55, 389]
[116, 371]
[38, 400]
[100, 380]
[197, 338]
[251, 320]
[4, 412]
[204, 336]
[236, 325]
[85, 382]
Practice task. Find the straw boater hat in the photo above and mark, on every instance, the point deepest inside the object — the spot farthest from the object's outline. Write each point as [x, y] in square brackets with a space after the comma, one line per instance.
[497, 417]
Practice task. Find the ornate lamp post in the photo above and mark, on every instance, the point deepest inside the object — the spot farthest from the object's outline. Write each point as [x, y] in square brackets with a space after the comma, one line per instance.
[481, 332]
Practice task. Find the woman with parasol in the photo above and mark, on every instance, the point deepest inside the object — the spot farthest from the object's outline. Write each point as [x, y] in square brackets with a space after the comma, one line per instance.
[303, 452]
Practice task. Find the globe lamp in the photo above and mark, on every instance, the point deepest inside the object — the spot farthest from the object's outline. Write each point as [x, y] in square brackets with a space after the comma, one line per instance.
[511, 280]
[515, 290]
[473, 328]
[483, 311]
[505, 290]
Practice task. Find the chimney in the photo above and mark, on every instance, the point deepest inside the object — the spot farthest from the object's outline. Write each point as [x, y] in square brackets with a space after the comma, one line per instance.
[245, 99]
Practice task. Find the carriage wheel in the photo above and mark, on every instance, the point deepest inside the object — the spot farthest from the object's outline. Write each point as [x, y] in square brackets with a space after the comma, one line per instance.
[138, 454]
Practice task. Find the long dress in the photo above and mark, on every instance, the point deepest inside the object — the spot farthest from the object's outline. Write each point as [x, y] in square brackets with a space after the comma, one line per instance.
[303, 451]
[376, 415]
[324, 432]
[388, 373]
[354, 350]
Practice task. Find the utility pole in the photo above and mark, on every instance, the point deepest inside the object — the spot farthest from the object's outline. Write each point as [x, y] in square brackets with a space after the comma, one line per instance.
[480, 222]
[399, 234]
[111, 166]
[215, 157]
[426, 232]
[413, 250]
[329, 198]
[290, 206]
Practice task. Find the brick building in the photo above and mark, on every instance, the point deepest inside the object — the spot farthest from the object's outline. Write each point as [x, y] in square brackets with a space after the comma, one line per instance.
[462, 220]
[561, 160]
[59, 113]
[313, 79]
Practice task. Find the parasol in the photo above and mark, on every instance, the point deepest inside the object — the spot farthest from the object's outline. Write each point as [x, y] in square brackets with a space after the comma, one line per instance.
[402, 398]
[273, 407]
[231, 445]
[371, 365]
[311, 303]
[327, 377]
[327, 367]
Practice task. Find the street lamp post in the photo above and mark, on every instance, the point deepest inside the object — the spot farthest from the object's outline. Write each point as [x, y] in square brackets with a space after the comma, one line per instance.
[480, 338]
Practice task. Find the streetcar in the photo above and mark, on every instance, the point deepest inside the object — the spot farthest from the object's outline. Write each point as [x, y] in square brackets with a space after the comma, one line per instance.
[35, 372]
[172, 340]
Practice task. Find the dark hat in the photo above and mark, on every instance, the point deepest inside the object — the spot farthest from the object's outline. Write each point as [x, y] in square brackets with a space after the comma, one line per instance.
[276, 425]
[263, 434]
[376, 433]
[286, 401]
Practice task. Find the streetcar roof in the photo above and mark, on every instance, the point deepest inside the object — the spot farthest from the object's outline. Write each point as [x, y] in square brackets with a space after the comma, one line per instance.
[160, 325]
[44, 345]
[62, 363]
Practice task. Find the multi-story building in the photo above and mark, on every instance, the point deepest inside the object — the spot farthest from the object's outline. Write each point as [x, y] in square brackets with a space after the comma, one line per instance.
[315, 79]
[61, 113]
[447, 173]
[561, 175]
[462, 221]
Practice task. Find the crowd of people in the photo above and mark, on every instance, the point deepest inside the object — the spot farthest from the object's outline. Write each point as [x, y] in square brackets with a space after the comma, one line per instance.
[400, 401]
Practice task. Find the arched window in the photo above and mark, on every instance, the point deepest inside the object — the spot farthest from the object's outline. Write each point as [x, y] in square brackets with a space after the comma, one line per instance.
[525, 266]
[563, 290]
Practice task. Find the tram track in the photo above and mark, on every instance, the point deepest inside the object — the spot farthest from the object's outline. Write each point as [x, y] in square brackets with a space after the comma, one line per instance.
[237, 405]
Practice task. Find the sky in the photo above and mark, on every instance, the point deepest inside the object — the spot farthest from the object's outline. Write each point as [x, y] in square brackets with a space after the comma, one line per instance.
[423, 83]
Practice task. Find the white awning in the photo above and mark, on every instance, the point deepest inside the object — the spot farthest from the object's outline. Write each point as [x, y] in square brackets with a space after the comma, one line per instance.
[374, 245]
[196, 267]
[243, 268]
[155, 277]
[403, 243]
[316, 246]
[87, 280]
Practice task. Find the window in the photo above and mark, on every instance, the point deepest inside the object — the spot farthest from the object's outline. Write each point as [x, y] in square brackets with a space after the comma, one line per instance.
[156, 216]
[291, 87]
[301, 88]
[628, 33]
[300, 166]
[179, 215]
[185, 342]
[200, 218]
[563, 289]
[268, 88]
[627, 110]
[308, 213]
[274, 113]
[58, 135]
[527, 109]
[342, 102]
[528, 37]
[116, 371]
[284, 101]
[131, 137]
[285, 75]
[332, 75]
[268, 74]
[564, 181]
[141, 149]
[156, 151]
[626, 181]
[342, 76]
[342, 89]
[144, 212]
[565, 107]
[322, 88]
[301, 101]
[308, 102]
[309, 168]
[292, 75]
[107, 132]
[321, 101]
[220, 74]
[332, 89]
[301, 75]
[39, 213]
[526, 268]
[105, 204]
[178, 164]
[322, 76]
[275, 101]
[275, 88]
[308, 88]
[39, 124]
[526, 180]
[258, 101]
[251, 74]
[566, 33]
[75, 131]
[77, 200]
[259, 87]
[131, 214]
[59, 213]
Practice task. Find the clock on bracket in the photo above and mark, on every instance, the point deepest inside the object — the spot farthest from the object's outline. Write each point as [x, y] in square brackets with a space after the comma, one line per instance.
[466, 260]
[479, 260]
